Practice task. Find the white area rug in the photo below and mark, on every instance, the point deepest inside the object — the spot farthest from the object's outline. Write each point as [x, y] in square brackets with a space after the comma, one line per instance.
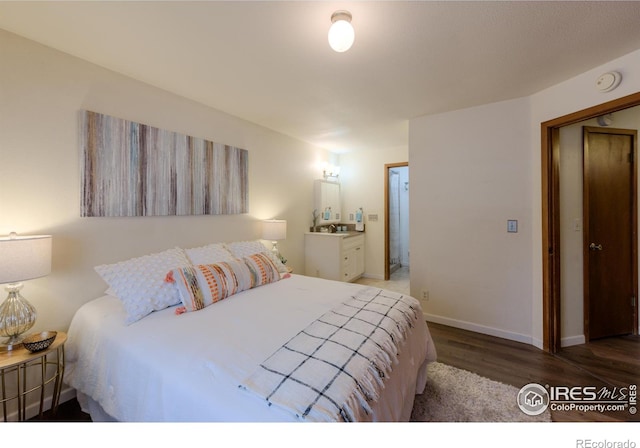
[455, 395]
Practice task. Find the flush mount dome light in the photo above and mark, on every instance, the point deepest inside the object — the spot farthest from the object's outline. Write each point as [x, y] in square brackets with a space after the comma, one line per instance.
[341, 33]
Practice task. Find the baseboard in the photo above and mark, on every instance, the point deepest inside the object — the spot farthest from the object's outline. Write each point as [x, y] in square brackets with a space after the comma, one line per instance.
[66, 394]
[538, 343]
[572, 340]
[464, 325]
[373, 276]
[32, 410]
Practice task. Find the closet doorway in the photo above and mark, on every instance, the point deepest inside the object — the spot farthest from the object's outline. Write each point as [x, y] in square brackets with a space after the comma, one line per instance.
[552, 270]
[396, 245]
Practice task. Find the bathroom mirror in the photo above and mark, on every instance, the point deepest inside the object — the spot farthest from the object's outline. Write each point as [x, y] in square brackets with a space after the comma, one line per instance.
[328, 202]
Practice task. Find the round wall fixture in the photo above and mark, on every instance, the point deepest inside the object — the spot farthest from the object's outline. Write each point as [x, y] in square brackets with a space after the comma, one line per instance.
[608, 81]
[341, 33]
[605, 120]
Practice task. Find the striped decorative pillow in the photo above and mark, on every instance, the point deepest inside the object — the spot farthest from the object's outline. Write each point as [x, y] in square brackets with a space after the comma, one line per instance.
[202, 285]
[262, 269]
[241, 249]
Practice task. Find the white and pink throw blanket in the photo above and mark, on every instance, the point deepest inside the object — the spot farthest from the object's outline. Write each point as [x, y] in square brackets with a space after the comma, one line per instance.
[336, 367]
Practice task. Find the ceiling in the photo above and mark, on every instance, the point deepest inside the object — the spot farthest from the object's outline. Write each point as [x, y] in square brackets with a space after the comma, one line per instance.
[269, 62]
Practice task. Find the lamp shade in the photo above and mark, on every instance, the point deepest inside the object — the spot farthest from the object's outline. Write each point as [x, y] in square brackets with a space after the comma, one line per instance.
[274, 229]
[24, 257]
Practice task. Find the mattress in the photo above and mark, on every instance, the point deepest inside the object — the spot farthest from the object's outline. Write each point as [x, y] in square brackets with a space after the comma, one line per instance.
[188, 367]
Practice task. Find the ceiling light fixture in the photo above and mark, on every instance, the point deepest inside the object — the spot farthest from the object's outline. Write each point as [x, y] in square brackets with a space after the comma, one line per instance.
[341, 33]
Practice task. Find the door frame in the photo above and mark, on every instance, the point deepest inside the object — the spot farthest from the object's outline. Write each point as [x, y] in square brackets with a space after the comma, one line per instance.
[388, 167]
[550, 155]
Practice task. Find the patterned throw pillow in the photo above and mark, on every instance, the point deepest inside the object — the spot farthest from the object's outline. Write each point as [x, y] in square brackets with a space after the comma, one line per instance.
[262, 269]
[242, 249]
[139, 282]
[199, 286]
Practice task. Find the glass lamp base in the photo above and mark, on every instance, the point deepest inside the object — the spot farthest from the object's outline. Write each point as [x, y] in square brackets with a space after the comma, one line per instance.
[16, 317]
[11, 344]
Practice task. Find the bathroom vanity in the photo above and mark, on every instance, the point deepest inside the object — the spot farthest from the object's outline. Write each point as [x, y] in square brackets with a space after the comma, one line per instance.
[334, 256]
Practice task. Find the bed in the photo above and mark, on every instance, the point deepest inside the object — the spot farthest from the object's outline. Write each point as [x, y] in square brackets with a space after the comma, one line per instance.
[203, 365]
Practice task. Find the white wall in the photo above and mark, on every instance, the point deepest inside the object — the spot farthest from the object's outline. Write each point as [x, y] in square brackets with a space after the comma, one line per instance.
[473, 176]
[404, 216]
[479, 167]
[41, 94]
[362, 184]
[571, 235]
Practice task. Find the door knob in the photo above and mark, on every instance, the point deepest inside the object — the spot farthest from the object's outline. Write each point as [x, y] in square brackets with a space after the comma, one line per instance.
[594, 246]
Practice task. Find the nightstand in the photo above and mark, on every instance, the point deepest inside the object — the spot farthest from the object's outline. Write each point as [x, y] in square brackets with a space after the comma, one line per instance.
[44, 367]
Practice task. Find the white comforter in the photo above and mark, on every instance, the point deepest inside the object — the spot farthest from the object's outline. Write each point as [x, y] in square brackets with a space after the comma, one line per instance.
[188, 367]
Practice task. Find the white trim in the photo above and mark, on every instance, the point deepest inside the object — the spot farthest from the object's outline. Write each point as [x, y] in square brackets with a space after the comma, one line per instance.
[32, 409]
[66, 394]
[538, 343]
[572, 340]
[479, 328]
[376, 277]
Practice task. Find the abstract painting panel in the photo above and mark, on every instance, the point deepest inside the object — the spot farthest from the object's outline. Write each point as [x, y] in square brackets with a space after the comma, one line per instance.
[131, 169]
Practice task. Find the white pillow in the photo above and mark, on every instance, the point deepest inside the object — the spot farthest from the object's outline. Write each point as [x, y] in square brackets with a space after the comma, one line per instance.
[242, 249]
[209, 254]
[139, 282]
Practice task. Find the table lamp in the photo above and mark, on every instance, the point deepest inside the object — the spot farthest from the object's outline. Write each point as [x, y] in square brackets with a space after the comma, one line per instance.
[21, 258]
[274, 230]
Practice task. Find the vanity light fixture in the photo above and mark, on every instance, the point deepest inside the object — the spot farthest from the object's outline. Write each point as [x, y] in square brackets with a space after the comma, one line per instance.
[330, 171]
[341, 33]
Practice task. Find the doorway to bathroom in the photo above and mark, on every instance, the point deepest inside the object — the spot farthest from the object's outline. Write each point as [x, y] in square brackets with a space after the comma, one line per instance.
[397, 220]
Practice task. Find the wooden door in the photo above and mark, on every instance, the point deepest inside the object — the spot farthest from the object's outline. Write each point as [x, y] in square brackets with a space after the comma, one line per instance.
[610, 239]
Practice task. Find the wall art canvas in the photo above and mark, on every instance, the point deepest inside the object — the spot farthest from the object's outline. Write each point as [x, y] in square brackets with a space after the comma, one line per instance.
[131, 169]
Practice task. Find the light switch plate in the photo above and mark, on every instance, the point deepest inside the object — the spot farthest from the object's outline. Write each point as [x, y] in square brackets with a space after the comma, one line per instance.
[512, 225]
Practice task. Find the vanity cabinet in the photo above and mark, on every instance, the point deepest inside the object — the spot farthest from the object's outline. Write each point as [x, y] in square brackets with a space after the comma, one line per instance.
[334, 256]
[327, 202]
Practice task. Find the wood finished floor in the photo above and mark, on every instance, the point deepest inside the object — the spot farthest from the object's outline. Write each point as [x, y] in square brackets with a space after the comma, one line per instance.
[613, 362]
